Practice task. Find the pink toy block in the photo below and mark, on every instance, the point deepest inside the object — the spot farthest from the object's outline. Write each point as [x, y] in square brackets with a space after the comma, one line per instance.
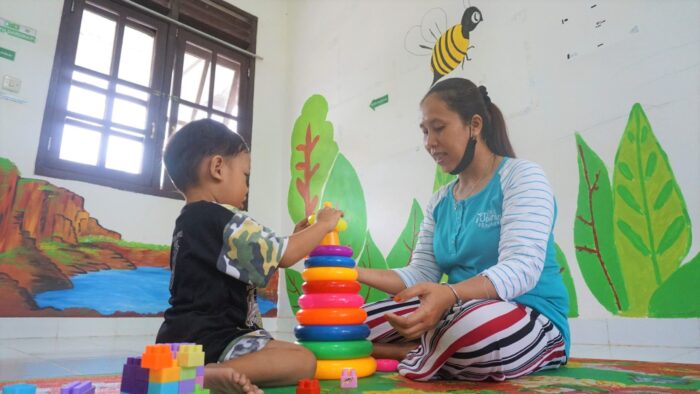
[134, 378]
[78, 387]
[348, 378]
[19, 388]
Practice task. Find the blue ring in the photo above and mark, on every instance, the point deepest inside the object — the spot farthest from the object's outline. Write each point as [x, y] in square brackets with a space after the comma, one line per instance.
[329, 261]
[331, 333]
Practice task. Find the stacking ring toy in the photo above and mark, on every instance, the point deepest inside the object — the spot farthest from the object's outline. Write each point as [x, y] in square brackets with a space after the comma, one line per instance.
[331, 333]
[339, 350]
[329, 261]
[385, 364]
[331, 316]
[328, 273]
[331, 300]
[330, 286]
[333, 369]
[331, 250]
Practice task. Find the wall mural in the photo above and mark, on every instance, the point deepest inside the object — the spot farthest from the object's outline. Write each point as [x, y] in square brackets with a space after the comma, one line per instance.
[321, 173]
[57, 260]
[632, 237]
[448, 46]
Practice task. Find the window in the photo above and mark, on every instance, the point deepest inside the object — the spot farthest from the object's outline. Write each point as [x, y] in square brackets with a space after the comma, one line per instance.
[124, 80]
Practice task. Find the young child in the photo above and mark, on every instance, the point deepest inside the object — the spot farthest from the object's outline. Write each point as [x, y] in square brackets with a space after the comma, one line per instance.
[220, 255]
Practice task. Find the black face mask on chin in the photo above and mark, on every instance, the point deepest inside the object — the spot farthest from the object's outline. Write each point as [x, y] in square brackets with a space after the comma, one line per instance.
[468, 155]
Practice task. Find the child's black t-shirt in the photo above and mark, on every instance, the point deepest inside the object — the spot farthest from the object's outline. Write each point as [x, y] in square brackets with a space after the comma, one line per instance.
[219, 255]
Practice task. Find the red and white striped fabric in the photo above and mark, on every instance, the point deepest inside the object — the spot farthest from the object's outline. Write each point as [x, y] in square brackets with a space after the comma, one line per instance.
[482, 339]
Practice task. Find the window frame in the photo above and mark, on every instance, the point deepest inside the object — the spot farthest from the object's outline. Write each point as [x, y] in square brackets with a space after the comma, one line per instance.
[168, 52]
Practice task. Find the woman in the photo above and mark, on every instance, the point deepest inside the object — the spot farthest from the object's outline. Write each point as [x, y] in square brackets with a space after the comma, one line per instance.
[502, 313]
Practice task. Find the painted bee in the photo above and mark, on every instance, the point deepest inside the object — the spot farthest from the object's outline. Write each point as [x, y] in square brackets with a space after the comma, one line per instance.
[450, 47]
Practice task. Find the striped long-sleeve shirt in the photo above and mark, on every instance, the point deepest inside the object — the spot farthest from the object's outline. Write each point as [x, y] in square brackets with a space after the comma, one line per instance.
[503, 232]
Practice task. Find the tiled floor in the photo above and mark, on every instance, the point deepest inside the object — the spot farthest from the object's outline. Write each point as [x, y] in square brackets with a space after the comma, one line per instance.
[52, 357]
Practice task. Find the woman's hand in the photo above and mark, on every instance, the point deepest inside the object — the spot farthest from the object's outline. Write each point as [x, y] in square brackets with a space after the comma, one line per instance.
[303, 224]
[434, 299]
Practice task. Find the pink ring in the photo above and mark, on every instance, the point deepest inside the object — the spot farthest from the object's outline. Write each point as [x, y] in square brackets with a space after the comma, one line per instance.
[331, 300]
[331, 250]
[387, 365]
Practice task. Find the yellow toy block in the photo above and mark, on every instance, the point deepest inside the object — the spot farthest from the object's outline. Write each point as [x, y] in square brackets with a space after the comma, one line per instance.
[165, 375]
[190, 356]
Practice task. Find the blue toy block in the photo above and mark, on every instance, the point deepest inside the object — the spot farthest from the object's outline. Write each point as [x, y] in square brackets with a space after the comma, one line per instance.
[19, 388]
[186, 386]
[78, 387]
[134, 378]
[163, 388]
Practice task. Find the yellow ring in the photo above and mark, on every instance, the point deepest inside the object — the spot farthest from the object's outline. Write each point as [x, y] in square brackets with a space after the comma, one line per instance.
[333, 369]
[329, 273]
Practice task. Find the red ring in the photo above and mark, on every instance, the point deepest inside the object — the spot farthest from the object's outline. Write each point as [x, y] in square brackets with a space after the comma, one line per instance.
[331, 286]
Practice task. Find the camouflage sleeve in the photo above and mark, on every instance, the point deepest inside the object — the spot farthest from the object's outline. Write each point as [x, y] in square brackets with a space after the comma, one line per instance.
[251, 251]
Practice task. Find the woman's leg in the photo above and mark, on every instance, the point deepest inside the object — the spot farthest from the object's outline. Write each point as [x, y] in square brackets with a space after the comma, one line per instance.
[486, 339]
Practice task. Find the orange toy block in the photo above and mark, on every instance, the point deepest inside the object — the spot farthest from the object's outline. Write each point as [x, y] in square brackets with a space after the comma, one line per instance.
[157, 357]
[164, 375]
[190, 356]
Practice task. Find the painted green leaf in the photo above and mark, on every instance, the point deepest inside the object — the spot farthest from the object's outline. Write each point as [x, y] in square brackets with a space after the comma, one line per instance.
[371, 257]
[568, 281]
[293, 281]
[593, 232]
[652, 227]
[313, 153]
[442, 178]
[400, 254]
[677, 296]
[344, 190]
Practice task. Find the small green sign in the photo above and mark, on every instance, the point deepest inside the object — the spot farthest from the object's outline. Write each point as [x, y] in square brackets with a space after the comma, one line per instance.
[379, 101]
[18, 31]
[7, 54]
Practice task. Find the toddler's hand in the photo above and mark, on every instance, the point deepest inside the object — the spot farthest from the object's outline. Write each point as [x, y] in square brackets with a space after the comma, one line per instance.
[328, 217]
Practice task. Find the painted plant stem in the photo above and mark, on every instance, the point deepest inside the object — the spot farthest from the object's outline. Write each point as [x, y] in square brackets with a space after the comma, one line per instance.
[591, 223]
[304, 187]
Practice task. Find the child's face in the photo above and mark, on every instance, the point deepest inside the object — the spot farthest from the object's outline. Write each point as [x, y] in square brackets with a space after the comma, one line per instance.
[235, 182]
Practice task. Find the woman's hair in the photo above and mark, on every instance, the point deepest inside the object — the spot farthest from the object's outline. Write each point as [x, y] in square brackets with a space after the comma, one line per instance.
[466, 99]
[191, 144]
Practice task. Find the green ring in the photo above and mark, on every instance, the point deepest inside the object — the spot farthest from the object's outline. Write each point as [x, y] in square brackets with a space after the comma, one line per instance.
[338, 350]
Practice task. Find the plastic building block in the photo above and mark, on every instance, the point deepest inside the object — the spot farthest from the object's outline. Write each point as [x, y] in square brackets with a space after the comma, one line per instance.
[19, 388]
[163, 388]
[200, 370]
[190, 356]
[186, 386]
[199, 390]
[78, 387]
[187, 373]
[164, 375]
[157, 357]
[348, 378]
[308, 386]
[134, 378]
[199, 380]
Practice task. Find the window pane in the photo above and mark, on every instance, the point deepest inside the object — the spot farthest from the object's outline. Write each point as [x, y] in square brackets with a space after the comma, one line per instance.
[131, 92]
[95, 81]
[95, 42]
[186, 114]
[129, 113]
[225, 94]
[195, 75]
[80, 145]
[136, 59]
[124, 154]
[86, 102]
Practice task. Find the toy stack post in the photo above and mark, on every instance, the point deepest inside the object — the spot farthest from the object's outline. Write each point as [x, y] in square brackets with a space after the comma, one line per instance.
[331, 318]
[172, 368]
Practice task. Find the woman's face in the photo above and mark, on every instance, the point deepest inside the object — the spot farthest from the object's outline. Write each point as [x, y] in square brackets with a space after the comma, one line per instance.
[445, 136]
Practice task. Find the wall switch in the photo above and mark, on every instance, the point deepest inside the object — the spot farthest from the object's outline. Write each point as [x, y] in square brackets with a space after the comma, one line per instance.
[11, 84]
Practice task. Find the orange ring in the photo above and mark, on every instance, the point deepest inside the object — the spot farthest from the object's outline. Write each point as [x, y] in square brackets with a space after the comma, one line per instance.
[329, 273]
[331, 316]
[333, 369]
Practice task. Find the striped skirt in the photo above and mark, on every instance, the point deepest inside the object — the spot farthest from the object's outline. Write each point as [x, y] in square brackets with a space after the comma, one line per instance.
[482, 339]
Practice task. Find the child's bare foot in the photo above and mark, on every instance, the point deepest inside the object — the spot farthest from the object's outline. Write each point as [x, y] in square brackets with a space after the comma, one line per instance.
[226, 380]
[394, 351]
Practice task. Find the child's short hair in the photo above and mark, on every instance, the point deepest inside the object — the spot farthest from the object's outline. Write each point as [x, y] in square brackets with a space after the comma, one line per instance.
[192, 143]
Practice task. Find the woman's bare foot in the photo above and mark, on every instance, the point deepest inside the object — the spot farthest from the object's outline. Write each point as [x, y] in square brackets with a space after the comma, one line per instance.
[226, 380]
[395, 351]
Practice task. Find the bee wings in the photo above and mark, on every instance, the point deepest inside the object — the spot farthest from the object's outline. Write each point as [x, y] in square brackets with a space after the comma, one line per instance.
[420, 39]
